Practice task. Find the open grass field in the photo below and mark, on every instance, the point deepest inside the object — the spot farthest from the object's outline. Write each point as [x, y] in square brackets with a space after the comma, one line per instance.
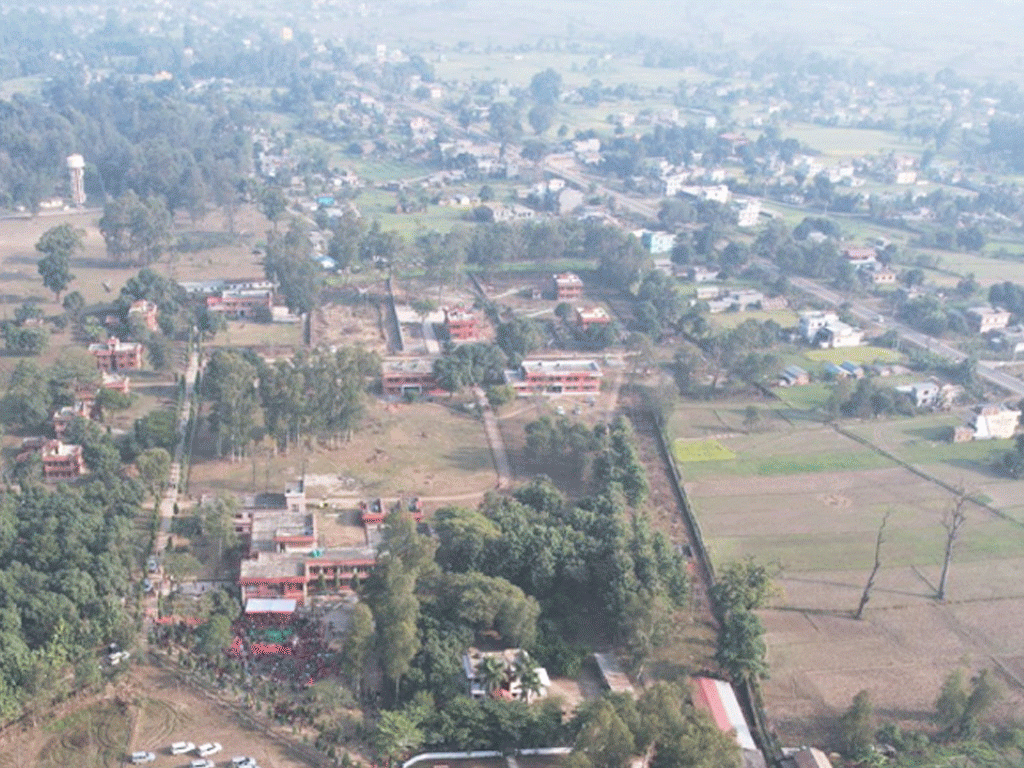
[844, 143]
[810, 499]
[424, 449]
[728, 320]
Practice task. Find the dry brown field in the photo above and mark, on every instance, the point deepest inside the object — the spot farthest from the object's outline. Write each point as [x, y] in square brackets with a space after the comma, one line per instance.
[778, 500]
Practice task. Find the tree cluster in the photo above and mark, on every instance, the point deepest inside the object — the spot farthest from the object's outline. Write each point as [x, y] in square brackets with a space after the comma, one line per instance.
[741, 588]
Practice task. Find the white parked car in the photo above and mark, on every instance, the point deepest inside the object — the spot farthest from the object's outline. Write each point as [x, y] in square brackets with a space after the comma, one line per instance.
[181, 747]
[242, 762]
[201, 763]
[210, 748]
[138, 758]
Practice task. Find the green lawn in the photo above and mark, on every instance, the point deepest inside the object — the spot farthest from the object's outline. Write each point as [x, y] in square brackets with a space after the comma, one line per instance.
[728, 320]
[792, 464]
[810, 397]
[841, 143]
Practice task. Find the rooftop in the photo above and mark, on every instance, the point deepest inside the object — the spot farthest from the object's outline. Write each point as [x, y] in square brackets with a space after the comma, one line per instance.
[570, 365]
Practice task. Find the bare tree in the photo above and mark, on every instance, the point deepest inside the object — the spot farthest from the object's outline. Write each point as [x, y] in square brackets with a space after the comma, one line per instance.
[952, 520]
[879, 541]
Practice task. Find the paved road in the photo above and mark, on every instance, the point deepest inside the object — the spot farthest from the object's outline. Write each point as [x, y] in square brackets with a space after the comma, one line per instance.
[170, 497]
[938, 347]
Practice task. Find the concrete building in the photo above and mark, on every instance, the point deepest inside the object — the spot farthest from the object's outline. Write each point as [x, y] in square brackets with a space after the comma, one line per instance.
[590, 316]
[460, 324]
[117, 355]
[985, 319]
[243, 303]
[567, 286]
[284, 559]
[61, 461]
[556, 377]
[988, 422]
[409, 375]
[512, 660]
[717, 698]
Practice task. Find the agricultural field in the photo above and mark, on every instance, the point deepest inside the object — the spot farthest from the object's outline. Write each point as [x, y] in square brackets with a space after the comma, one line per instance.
[804, 496]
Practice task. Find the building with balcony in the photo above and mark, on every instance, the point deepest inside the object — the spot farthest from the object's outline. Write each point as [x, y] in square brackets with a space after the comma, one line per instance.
[460, 324]
[61, 461]
[556, 377]
[116, 355]
[409, 375]
[566, 286]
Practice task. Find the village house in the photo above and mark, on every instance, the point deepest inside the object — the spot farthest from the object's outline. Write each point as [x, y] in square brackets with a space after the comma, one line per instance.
[826, 330]
[63, 417]
[988, 422]
[718, 699]
[145, 311]
[460, 324]
[739, 300]
[61, 461]
[658, 242]
[860, 257]
[117, 355]
[512, 661]
[409, 375]
[794, 376]
[556, 377]
[701, 274]
[845, 370]
[567, 286]
[986, 319]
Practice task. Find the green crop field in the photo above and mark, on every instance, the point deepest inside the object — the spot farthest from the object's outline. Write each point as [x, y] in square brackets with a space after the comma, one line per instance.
[686, 451]
[860, 355]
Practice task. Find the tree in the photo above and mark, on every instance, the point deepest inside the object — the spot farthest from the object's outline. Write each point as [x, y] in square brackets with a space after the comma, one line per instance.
[857, 727]
[218, 521]
[879, 541]
[605, 739]
[952, 520]
[396, 735]
[951, 704]
[743, 585]
[273, 204]
[154, 466]
[518, 338]
[529, 679]
[396, 609]
[546, 86]
[214, 636]
[499, 395]
[358, 644]
[58, 244]
[741, 647]
[491, 671]
[541, 116]
[423, 307]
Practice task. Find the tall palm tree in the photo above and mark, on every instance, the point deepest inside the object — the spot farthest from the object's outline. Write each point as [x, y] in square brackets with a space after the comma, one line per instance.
[529, 680]
[491, 671]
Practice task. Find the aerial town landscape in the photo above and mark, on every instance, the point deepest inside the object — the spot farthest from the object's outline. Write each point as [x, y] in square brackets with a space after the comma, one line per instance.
[469, 385]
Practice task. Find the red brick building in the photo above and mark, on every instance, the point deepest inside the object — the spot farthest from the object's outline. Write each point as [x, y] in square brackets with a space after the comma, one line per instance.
[556, 377]
[460, 324]
[61, 461]
[117, 355]
[567, 285]
[243, 303]
[402, 376]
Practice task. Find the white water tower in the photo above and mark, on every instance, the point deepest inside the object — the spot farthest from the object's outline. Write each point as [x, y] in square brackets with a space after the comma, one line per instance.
[76, 168]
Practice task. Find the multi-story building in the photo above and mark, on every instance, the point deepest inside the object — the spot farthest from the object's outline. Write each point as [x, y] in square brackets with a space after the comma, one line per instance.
[61, 461]
[567, 285]
[284, 559]
[556, 377]
[460, 324]
[63, 417]
[588, 316]
[985, 319]
[409, 375]
[117, 355]
[243, 303]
